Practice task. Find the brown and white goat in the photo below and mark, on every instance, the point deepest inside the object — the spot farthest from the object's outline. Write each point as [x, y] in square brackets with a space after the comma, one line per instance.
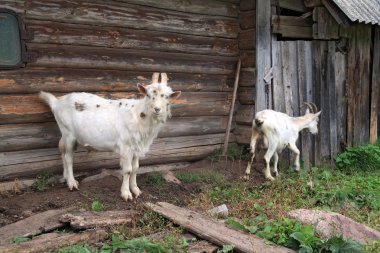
[125, 126]
[279, 131]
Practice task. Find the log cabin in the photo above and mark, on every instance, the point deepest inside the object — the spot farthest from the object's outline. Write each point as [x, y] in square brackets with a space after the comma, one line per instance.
[292, 51]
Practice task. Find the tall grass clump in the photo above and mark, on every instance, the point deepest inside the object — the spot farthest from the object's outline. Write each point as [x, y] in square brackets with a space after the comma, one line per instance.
[364, 158]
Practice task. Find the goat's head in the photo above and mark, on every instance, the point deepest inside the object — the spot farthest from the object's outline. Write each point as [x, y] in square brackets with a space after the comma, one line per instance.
[312, 114]
[158, 96]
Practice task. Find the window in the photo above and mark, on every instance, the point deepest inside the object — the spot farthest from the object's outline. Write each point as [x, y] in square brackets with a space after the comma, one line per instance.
[12, 35]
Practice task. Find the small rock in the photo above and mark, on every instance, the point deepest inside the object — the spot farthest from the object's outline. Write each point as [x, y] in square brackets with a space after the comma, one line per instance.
[219, 211]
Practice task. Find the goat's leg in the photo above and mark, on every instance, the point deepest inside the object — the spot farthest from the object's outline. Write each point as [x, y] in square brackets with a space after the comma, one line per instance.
[126, 168]
[132, 180]
[293, 147]
[275, 162]
[66, 146]
[254, 137]
[268, 155]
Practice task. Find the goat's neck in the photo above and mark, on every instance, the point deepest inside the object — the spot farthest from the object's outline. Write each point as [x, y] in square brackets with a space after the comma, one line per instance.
[302, 122]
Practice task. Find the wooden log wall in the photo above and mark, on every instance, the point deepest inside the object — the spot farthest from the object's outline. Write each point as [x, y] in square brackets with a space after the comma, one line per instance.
[247, 81]
[108, 48]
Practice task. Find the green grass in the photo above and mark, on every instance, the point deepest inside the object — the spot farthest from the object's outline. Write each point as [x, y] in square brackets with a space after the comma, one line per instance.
[156, 178]
[234, 151]
[77, 248]
[41, 182]
[96, 206]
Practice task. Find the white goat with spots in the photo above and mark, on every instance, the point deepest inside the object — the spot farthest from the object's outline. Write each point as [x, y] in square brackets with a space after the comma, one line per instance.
[125, 126]
[280, 131]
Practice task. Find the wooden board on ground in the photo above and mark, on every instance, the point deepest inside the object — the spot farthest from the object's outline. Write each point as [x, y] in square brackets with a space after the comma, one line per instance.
[51, 241]
[214, 231]
[33, 225]
[86, 220]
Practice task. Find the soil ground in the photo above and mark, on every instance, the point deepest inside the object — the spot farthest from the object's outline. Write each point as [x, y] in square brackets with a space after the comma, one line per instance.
[14, 207]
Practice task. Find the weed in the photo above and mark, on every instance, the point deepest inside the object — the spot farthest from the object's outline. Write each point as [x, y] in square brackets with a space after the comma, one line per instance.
[366, 157]
[234, 152]
[96, 206]
[42, 183]
[373, 247]
[156, 178]
[226, 249]
[19, 239]
[77, 248]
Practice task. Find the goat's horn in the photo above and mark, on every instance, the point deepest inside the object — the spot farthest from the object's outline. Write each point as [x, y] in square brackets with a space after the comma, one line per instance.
[155, 77]
[311, 109]
[164, 78]
[314, 107]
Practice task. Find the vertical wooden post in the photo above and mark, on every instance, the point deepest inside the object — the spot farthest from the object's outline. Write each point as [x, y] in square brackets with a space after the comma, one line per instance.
[375, 93]
[263, 52]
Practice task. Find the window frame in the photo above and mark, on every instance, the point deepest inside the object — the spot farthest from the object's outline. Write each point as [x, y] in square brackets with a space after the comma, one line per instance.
[23, 36]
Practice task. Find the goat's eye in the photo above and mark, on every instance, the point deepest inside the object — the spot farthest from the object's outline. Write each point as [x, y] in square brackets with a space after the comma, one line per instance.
[162, 95]
[154, 92]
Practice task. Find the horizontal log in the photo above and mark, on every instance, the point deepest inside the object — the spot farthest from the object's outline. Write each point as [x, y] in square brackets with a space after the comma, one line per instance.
[248, 58]
[118, 14]
[247, 39]
[127, 59]
[30, 108]
[247, 77]
[291, 21]
[291, 31]
[246, 5]
[32, 80]
[15, 137]
[245, 114]
[243, 134]
[247, 19]
[246, 95]
[15, 5]
[28, 163]
[117, 37]
[209, 7]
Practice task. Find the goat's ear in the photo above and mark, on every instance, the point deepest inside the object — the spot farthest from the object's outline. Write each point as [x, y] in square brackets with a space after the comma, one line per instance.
[175, 94]
[155, 77]
[164, 78]
[317, 114]
[141, 89]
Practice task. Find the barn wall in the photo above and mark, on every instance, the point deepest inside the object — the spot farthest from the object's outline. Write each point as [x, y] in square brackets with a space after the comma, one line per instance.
[247, 81]
[108, 48]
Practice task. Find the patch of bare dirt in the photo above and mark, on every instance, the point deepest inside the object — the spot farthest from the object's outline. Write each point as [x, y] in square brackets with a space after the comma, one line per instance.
[14, 207]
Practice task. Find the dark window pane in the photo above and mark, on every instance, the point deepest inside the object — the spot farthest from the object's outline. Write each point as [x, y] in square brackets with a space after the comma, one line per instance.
[10, 44]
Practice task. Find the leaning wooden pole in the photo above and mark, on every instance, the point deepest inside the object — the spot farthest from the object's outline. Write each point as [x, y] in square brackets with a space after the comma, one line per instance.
[232, 109]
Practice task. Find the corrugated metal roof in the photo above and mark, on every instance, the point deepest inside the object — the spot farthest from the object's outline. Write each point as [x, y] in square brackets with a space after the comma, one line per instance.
[367, 11]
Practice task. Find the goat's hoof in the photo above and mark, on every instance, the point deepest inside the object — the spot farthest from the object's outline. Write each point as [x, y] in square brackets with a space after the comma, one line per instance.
[73, 184]
[127, 196]
[136, 191]
[246, 177]
[275, 173]
[269, 178]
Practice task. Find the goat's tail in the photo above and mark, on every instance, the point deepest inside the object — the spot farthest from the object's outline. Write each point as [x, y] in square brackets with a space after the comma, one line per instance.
[49, 98]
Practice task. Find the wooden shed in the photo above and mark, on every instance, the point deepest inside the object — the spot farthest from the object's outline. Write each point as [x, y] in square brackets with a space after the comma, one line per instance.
[291, 50]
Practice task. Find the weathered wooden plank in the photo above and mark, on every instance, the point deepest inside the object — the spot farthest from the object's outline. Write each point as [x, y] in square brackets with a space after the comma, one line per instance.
[247, 19]
[278, 86]
[352, 80]
[263, 52]
[33, 225]
[53, 241]
[247, 5]
[248, 58]
[29, 108]
[217, 8]
[288, 75]
[340, 86]
[326, 26]
[20, 164]
[14, 137]
[15, 5]
[317, 69]
[132, 16]
[213, 230]
[312, 3]
[125, 59]
[247, 77]
[247, 39]
[245, 115]
[375, 90]
[32, 80]
[279, 20]
[291, 31]
[333, 127]
[116, 37]
[246, 95]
